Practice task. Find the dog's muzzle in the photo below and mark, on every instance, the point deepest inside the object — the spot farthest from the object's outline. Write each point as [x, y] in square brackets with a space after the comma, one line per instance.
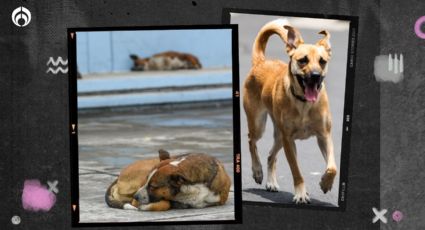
[311, 85]
[142, 196]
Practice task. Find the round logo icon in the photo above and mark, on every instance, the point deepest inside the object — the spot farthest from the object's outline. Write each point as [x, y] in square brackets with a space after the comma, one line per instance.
[16, 220]
[21, 16]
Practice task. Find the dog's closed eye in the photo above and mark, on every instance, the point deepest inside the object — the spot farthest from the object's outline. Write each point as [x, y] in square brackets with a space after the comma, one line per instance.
[303, 61]
[153, 187]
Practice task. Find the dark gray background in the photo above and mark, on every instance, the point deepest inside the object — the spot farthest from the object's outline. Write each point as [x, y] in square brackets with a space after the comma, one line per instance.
[34, 107]
[402, 116]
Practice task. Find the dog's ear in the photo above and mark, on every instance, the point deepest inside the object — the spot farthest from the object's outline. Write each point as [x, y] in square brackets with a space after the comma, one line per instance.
[325, 41]
[163, 155]
[134, 57]
[293, 40]
[177, 180]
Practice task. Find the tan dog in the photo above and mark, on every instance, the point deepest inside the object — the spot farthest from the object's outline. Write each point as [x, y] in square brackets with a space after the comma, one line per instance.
[188, 181]
[294, 96]
[120, 193]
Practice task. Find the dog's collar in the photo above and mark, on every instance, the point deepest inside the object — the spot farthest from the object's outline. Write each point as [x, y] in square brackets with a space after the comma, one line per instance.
[300, 98]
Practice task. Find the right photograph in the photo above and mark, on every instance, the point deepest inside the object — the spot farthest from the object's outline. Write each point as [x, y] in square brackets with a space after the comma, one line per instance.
[296, 81]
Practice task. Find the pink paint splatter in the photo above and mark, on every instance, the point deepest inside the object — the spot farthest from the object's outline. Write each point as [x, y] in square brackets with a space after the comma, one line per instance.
[397, 216]
[37, 197]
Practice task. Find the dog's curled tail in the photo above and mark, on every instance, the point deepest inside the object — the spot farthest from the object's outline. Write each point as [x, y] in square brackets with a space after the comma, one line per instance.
[109, 199]
[259, 47]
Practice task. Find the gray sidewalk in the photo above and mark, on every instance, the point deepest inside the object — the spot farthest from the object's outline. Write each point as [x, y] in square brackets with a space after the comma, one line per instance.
[153, 88]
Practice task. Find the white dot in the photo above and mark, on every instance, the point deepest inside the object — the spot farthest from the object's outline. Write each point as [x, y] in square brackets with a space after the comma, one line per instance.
[16, 220]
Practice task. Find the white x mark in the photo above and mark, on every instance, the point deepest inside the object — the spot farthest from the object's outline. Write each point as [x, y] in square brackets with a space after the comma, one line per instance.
[52, 186]
[379, 215]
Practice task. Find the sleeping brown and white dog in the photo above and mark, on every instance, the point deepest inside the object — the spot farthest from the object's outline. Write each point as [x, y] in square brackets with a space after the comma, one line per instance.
[193, 180]
[169, 60]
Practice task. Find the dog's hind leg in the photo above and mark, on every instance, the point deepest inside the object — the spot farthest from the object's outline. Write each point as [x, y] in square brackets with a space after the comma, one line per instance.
[256, 118]
[326, 147]
[299, 186]
[272, 184]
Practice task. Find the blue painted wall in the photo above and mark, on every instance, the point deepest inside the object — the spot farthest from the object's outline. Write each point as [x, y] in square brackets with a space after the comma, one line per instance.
[99, 52]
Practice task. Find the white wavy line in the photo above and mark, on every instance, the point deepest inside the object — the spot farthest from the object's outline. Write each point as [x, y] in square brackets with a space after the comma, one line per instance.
[57, 70]
[59, 60]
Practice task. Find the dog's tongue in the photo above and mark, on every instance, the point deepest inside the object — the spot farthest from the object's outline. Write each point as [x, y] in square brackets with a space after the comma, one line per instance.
[311, 93]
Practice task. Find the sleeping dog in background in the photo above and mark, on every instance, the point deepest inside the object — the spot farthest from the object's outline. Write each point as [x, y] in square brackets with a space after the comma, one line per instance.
[295, 97]
[166, 61]
[193, 180]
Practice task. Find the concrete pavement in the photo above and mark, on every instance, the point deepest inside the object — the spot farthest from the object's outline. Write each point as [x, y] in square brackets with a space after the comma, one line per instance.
[153, 87]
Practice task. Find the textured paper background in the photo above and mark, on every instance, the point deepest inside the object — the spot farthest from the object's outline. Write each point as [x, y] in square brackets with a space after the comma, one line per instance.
[402, 117]
[34, 105]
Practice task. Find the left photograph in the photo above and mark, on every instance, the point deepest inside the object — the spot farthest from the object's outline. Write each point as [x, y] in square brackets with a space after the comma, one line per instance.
[153, 125]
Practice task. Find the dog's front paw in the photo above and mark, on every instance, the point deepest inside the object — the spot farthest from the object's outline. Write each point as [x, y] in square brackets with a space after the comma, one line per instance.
[257, 174]
[272, 187]
[128, 206]
[301, 199]
[145, 207]
[301, 195]
[258, 177]
[162, 205]
[327, 180]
